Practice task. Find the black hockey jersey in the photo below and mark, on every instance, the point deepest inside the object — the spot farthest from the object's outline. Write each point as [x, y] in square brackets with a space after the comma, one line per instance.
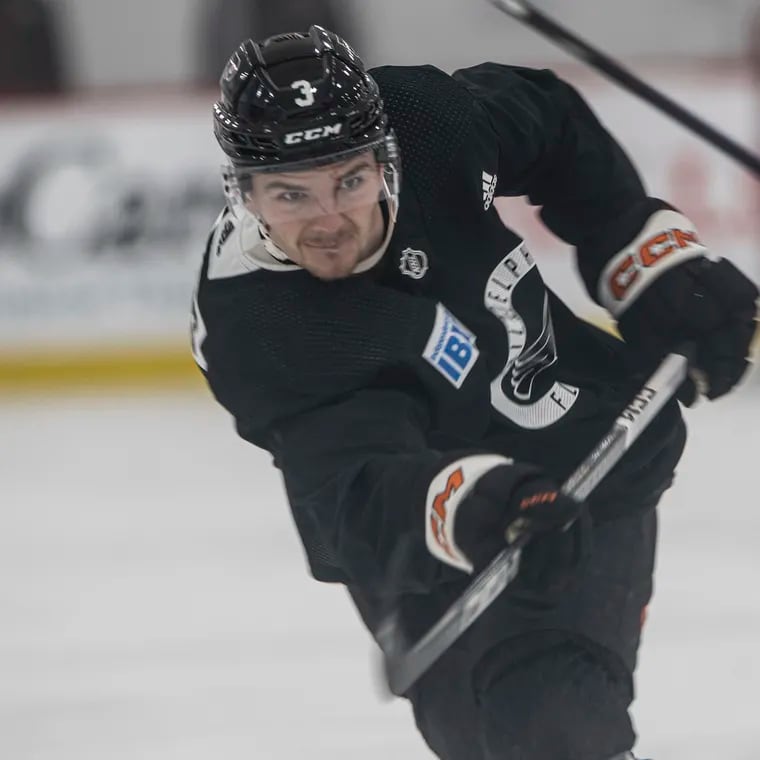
[363, 388]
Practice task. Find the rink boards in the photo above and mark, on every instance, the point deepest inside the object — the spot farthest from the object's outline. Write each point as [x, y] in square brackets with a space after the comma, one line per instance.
[102, 228]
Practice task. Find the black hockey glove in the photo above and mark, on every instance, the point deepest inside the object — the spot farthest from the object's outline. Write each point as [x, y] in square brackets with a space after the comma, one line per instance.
[665, 293]
[709, 304]
[475, 502]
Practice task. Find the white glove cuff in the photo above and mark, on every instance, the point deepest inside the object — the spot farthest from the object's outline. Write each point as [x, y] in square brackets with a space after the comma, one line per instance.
[447, 490]
[667, 240]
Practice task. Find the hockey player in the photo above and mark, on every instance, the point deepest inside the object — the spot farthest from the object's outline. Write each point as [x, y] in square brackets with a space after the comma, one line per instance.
[394, 347]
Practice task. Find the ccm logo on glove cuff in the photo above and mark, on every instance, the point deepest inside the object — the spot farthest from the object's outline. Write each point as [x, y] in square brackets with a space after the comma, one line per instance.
[545, 497]
[667, 239]
[447, 491]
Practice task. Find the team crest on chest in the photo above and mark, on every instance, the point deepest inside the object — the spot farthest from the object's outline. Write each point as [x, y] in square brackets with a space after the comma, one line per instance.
[516, 392]
[413, 263]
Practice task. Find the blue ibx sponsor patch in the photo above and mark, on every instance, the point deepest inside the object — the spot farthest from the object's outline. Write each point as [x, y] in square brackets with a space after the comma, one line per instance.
[451, 347]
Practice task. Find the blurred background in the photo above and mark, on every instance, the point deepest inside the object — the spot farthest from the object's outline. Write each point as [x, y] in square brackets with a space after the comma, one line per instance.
[153, 598]
[109, 174]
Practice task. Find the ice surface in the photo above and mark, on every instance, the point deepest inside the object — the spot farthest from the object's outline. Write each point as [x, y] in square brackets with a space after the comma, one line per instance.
[155, 601]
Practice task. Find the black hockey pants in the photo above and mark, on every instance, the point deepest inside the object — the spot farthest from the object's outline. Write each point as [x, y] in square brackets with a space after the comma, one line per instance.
[559, 686]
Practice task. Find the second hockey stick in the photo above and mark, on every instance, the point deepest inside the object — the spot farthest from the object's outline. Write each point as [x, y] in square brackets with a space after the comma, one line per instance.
[404, 667]
[525, 13]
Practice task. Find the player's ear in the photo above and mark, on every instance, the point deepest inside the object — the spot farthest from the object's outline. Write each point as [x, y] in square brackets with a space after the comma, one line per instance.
[251, 205]
[250, 198]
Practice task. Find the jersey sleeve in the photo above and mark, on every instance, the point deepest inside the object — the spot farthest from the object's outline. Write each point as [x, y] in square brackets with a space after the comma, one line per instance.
[553, 149]
[357, 474]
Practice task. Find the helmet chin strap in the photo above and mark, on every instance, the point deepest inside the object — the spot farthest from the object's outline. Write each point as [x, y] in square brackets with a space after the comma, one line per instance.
[272, 247]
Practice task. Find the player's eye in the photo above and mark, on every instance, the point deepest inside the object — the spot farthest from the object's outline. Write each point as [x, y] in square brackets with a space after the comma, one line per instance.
[354, 182]
[292, 196]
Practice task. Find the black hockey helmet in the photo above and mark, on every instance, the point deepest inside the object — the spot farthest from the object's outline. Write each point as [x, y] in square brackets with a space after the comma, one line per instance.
[295, 102]
[298, 100]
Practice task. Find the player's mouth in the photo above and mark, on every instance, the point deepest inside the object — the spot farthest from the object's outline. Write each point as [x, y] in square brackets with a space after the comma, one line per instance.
[335, 248]
[328, 244]
[334, 241]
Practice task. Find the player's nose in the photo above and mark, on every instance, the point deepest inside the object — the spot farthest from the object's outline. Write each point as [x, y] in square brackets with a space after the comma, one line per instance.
[328, 223]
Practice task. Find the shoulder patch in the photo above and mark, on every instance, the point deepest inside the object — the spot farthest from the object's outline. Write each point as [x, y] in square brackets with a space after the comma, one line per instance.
[451, 347]
[413, 263]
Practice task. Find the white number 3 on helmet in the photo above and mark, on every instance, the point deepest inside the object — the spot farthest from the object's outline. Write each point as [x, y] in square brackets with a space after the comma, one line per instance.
[304, 87]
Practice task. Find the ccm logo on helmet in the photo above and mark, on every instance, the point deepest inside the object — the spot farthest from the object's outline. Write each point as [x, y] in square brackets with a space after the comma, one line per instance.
[316, 133]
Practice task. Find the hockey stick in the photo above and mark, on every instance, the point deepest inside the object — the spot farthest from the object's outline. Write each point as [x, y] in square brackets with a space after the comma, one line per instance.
[525, 13]
[403, 668]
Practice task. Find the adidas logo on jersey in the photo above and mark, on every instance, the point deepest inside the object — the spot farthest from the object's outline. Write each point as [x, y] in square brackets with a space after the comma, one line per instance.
[489, 188]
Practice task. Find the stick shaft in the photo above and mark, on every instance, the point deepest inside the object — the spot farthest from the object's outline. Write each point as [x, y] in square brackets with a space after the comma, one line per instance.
[404, 668]
[578, 48]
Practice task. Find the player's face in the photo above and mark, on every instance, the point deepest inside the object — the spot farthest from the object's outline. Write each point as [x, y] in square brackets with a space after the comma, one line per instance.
[326, 219]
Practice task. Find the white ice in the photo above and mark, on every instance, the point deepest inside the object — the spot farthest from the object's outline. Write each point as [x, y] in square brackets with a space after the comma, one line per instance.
[155, 602]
